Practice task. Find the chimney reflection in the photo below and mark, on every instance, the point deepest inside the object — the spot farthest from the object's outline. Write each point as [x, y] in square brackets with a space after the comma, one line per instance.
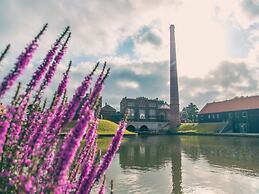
[177, 167]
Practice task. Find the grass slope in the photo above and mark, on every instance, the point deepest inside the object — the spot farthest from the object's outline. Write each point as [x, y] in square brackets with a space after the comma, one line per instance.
[200, 127]
[105, 127]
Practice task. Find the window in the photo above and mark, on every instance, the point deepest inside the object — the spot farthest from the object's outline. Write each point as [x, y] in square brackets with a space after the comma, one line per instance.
[162, 116]
[213, 116]
[152, 104]
[142, 114]
[131, 113]
[152, 114]
[244, 114]
[217, 116]
[209, 116]
[131, 104]
[236, 114]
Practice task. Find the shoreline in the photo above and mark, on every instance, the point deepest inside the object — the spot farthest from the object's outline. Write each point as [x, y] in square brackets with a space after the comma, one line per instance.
[255, 135]
[218, 134]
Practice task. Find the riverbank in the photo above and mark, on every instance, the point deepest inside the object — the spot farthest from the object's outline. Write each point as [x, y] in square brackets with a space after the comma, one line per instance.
[201, 127]
[207, 129]
[167, 133]
[215, 134]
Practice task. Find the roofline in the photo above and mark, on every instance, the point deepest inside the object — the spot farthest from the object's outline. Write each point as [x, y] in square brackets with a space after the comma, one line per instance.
[228, 101]
[235, 98]
[228, 111]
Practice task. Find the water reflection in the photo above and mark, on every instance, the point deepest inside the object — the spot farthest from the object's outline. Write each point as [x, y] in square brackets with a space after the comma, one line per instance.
[230, 152]
[148, 153]
[187, 164]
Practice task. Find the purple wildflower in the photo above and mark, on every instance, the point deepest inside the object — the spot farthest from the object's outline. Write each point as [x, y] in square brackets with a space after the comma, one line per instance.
[95, 173]
[35, 130]
[87, 181]
[114, 146]
[98, 87]
[69, 148]
[40, 135]
[84, 155]
[51, 140]
[36, 77]
[87, 165]
[51, 71]
[4, 125]
[22, 62]
[28, 186]
[78, 96]
[35, 159]
[90, 139]
[48, 132]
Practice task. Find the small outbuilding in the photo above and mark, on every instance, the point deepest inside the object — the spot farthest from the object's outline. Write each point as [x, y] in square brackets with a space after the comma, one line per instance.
[110, 113]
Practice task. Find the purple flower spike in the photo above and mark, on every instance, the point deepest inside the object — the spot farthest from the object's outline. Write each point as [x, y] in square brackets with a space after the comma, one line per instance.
[22, 62]
[88, 165]
[96, 173]
[78, 97]
[44, 65]
[84, 156]
[90, 139]
[42, 133]
[35, 158]
[68, 150]
[113, 148]
[4, 125]
[51, 71]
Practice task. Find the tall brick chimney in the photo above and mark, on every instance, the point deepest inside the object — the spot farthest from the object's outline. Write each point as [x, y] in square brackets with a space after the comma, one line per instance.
[174, 120]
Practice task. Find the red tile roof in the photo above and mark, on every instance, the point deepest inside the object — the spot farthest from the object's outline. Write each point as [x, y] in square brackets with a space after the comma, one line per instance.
[236, 104]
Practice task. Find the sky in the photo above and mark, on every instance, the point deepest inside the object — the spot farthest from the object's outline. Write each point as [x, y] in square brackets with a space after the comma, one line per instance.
[217, 45]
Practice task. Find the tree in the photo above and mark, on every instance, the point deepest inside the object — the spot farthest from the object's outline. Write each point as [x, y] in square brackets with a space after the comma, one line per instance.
[190, 113]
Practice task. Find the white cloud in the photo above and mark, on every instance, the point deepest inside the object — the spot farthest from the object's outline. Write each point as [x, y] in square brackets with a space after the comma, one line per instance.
[128, 84]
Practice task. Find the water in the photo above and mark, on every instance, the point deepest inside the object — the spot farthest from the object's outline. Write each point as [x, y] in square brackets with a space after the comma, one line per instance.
[185, 164]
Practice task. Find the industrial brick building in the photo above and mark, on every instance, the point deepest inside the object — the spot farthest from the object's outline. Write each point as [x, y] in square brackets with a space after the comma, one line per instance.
[240, 114]
[144, 109]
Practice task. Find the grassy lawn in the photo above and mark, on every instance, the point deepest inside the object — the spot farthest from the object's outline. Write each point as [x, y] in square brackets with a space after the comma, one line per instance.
[200, 127]
[105, 127]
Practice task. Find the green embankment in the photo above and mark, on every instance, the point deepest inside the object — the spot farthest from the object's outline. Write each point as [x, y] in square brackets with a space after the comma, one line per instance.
[200, 127]
[105, 127]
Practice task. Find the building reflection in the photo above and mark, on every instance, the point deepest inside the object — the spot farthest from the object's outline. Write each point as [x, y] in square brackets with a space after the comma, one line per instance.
[147, 153]
[234, 153]
[158, 152]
